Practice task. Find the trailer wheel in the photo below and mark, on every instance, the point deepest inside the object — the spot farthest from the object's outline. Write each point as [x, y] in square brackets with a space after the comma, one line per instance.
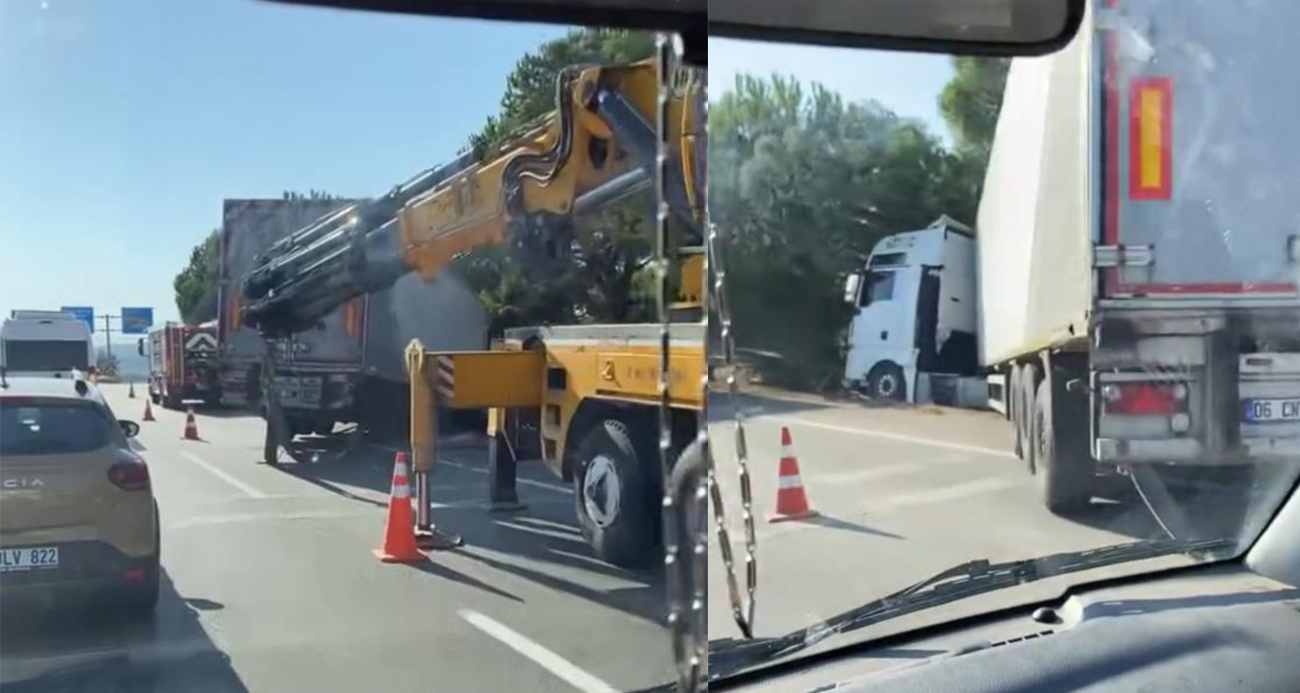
[1064, 476]
[616, 496]
[1025, 421]
[1013, 408]
[886, 381]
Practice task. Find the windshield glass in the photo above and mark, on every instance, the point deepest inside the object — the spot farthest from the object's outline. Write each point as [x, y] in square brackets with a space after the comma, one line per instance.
[45, 355]
[353, 275]
[1027, 389]
[46, 429]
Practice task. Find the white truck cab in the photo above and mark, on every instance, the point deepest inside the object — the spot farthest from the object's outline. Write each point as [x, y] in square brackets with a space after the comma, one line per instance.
[915, 311]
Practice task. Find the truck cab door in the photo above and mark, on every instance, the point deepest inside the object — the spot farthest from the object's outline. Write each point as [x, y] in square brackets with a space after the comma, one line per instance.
[881, 329]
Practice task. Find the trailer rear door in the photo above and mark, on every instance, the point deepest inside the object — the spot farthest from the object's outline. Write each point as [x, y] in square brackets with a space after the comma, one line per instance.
[1200, 140]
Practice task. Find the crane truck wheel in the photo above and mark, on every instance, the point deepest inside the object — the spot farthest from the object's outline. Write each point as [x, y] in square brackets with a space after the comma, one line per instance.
[886, 381]
[271, 444]
[1064, 477]
[616, 496]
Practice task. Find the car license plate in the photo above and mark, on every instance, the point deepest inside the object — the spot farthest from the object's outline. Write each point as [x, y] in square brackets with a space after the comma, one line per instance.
[29, 558]
[1266, 410]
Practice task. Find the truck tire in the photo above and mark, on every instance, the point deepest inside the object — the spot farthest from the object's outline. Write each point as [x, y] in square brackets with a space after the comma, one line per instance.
[886, 381]
[1025, 422]
[1013, 408]
[1064, 476]
[616, 495]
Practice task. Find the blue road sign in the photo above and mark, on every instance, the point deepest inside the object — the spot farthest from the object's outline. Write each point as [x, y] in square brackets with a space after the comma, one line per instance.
[85, 314]
[136, 320]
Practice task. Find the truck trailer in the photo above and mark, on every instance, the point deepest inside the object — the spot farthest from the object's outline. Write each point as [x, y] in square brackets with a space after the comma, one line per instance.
[1138, 247]
[349, 365]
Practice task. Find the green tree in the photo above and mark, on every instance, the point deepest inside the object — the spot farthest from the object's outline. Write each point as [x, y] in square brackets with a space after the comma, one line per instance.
[196, 285]
[970, 103]
[530, 88]
[803, 184]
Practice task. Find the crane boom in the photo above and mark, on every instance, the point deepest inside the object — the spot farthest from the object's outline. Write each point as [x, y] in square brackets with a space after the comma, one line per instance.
[596, 147]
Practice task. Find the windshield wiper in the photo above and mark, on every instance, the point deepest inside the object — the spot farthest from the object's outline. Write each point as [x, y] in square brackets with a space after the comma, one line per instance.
[728, 656]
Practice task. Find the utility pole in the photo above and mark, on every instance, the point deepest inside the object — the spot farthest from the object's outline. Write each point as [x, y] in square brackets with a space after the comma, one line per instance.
[108, 329]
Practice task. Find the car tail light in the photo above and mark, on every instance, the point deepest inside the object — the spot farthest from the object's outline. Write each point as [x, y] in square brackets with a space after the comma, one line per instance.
[133, 574]
[130, 473]
[1144, 398]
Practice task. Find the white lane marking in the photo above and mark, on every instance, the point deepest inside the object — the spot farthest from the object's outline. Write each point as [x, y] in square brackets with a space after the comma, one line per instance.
[870, 473]
[547, 659]
[542, 532]
[953, 492]
[223, 475]
[895, 436]
[208, 520]
[527, 482]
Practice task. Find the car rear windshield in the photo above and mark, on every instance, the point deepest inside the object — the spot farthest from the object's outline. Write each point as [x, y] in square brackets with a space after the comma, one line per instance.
[51, 428]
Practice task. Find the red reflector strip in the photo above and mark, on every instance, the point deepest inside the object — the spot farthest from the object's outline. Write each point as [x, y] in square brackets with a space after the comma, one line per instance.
[133, 575]
[1150, 118]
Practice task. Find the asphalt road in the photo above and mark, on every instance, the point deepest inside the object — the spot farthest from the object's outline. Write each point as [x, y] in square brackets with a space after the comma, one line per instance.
[270, 585]
[903, 493]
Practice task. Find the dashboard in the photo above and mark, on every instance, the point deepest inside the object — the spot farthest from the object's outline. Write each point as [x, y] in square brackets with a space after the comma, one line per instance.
[1209, 629]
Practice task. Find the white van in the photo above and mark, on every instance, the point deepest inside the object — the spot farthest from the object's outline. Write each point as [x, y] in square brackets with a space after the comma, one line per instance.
[45, 342]
[915, 311]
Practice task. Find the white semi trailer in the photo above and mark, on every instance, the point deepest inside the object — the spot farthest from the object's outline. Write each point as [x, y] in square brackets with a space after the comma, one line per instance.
[1139, 241]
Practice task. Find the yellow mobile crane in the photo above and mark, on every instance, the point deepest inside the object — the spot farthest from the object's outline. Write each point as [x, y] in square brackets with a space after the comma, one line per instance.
[584, 398]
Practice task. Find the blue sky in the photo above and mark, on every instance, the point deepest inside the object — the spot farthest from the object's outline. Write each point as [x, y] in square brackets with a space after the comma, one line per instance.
[124, 124]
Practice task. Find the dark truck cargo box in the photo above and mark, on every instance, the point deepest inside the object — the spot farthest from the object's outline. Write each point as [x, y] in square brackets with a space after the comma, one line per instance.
[351, 366]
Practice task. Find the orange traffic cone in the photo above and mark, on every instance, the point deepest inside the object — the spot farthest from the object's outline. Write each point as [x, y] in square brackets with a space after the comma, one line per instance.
[191, 428]
[148, 412]
[791, 501]
[131, 391]
[399, 531]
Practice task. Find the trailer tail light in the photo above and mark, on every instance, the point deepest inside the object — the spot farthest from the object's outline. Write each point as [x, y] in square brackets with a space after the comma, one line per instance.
[352, 317]
[1144, 398]
[130, 473]
[1150, 135]
[236, 315]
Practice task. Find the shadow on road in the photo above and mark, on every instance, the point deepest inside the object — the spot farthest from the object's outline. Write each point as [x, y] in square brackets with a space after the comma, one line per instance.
[71, 650]
[519, 543]
[847, 526]
[437, 569]
[1208, 503]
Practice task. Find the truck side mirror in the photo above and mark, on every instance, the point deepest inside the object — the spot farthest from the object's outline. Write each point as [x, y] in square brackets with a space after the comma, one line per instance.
[851, 285]
[139, 346]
